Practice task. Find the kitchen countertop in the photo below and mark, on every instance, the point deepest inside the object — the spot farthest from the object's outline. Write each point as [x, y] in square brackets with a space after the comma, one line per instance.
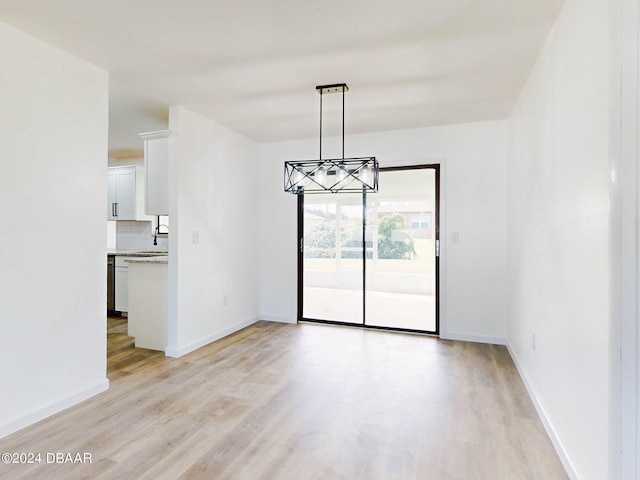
[162, 259]
[136, 253]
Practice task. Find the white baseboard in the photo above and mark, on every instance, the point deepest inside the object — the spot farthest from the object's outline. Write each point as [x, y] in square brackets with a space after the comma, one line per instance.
[190, 347]
[57, 405]
[463, 337]
[275, 318]
[548, 426]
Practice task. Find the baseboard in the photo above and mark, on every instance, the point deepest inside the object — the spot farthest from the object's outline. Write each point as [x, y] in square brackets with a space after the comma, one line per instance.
[190, 347]
[463, 337]
[275, 318]
[43, 411]
[548, 426]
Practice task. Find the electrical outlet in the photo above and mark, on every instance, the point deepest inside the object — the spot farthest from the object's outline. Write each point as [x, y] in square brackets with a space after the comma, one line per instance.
[455, 237]
[196, 236]
[225, 299]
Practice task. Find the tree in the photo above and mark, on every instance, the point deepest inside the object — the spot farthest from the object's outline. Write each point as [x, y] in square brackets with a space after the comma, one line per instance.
[321, 241]
[393, 241]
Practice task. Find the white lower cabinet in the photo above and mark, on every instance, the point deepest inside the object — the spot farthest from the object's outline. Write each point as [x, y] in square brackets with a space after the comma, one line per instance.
[122, 283]
[148, 304]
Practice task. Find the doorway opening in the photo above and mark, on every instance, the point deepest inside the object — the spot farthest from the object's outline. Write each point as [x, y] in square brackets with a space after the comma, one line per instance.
[372, 260]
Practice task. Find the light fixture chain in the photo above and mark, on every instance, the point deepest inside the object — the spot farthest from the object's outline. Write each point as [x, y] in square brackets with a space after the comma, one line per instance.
[342, 122]
[320, 156]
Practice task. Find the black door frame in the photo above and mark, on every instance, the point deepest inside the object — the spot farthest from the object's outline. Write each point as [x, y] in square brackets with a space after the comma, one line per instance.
[300, 257]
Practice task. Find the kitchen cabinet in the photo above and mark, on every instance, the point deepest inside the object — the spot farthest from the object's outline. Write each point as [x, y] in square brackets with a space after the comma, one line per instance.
[125, 194]
[119, 280]
[156, 168]
[148, 284]
[122, 283]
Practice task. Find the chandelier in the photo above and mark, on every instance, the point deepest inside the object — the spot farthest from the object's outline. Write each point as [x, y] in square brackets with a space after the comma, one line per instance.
[331, 175]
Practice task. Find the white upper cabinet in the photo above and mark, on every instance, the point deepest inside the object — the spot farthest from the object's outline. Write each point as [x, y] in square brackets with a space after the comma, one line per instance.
[124, 191]
[156, 163]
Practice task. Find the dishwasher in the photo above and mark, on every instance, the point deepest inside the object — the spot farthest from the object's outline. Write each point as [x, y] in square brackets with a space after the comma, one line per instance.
[111, 284]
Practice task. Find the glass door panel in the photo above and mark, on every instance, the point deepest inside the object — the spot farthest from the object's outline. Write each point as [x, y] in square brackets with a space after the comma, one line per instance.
[332, 258]
[401, 267]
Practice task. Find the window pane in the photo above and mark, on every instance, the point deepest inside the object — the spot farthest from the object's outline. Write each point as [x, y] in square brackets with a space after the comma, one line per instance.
[332, 256]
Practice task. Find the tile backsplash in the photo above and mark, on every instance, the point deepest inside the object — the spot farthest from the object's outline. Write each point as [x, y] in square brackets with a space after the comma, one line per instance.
[138, 236]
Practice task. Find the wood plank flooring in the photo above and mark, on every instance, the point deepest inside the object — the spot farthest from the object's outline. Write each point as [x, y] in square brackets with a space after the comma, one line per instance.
[281, 401]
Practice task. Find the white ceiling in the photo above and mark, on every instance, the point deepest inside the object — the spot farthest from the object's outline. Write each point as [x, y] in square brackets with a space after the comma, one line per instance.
[252, 65]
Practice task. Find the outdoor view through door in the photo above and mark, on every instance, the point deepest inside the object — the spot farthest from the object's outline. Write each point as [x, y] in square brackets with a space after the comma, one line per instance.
[371, 260]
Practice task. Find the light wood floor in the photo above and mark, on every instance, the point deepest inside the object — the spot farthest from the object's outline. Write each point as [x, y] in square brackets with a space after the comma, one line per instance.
[280, 401]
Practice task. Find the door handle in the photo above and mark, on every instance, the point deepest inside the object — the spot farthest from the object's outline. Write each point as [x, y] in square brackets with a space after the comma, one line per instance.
[113, 209]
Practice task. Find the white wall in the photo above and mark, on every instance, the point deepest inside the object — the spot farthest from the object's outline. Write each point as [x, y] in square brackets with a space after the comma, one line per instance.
[126, 161]
[212, 194]
[558, 235]
[624, 424]
[53, 152]
[474, 204]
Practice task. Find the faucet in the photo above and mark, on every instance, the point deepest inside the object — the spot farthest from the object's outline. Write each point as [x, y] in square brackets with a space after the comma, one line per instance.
[156, 231]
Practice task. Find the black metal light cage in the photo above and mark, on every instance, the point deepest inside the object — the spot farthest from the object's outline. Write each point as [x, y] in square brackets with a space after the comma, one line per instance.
[334, 174]
[331, 175]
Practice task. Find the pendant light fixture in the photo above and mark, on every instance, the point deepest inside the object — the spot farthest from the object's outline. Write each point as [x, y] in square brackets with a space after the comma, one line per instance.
[331, 175]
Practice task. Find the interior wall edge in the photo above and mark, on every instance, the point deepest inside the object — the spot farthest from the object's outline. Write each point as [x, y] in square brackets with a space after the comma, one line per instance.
[464, 337]
[624, 260]
[51, 408]
[277, 318]
[544, 417]
[181, 350]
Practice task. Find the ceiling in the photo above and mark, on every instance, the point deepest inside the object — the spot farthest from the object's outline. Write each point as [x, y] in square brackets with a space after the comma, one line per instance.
[252, 65]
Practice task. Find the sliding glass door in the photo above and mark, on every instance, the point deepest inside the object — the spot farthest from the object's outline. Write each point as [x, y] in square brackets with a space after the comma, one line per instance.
[332, 257]
[372, 260]
[401, 272]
